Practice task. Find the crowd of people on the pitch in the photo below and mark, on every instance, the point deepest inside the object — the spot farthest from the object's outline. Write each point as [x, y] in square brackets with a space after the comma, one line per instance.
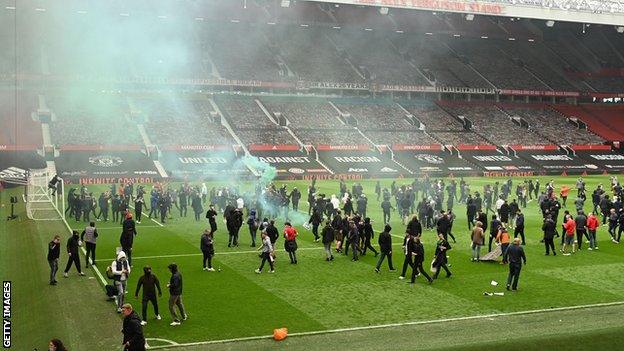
[340, 223]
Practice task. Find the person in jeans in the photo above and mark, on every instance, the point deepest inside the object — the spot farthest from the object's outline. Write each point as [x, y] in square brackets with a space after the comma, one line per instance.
[592, 226]
[175, 295]
[54, 252]
[89, 236]
[290, 243]
[121, 271]
[385, 248]
[267, 251]
[328, 238]
[477, 239]
[515, 256]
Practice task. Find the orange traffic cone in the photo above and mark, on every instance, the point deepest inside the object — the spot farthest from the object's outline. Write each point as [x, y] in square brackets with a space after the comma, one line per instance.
[280, 334]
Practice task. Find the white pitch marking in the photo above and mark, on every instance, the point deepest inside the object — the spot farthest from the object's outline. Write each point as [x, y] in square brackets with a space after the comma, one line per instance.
[391, 325]
[152, 219]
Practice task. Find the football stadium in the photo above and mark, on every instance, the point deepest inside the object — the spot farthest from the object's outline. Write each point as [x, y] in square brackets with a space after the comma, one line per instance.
[312, 175]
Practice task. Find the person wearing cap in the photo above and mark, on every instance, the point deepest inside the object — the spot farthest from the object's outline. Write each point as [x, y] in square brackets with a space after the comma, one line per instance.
[175, 295]
[515, 256]
[150, 283]
[121, 270]
[133, 338]
[127, 236]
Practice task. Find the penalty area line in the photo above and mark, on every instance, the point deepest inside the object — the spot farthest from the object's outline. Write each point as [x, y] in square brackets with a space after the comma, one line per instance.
[391, 325]
[226, 253]
[151, 219]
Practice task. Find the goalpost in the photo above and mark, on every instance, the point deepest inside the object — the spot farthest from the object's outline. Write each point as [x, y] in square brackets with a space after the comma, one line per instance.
[41, 205]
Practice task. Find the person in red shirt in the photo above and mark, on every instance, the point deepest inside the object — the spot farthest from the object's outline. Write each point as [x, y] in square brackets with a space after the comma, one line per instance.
[570, 229]
[592, 226]
[290, 242]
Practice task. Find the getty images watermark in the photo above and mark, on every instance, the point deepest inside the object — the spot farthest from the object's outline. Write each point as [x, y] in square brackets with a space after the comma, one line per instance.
[6, 314]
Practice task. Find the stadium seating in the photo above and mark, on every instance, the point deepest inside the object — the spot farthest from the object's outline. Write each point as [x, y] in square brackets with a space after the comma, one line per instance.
[377, 116]
[22, 130]
[550, 124]
[104, 113]
[491, 122]
[175, 122]
[594, 123]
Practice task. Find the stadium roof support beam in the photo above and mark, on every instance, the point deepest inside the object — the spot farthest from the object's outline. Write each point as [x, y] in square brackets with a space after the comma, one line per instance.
[608, 12]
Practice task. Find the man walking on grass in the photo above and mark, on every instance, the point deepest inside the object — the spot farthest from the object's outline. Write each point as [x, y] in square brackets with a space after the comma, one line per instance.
[133, 338]
[54, 252]
[515, 256]
[150, 283]
[175, 295]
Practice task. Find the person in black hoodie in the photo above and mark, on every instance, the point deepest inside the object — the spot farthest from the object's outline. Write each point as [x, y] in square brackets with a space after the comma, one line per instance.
[327, 235]
[72, 251]
[54, 252]
[150, 283]
[418, 252]
[211, 215]
[414, 228]
[316, 219]
[550, 230]
[175, 294]
[234, 223]
[494, 226]
[206, 246]
[127, 236]
[138, 207]
[440, 262]
[367, 231]
[385, 246]
[133, 338]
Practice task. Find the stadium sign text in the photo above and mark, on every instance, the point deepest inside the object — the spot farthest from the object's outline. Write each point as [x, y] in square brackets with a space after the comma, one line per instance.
[285, 159]
[443, 5]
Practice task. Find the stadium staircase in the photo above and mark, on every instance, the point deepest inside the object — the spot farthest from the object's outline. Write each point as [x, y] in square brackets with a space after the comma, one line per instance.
[470, 66]
[347, 59]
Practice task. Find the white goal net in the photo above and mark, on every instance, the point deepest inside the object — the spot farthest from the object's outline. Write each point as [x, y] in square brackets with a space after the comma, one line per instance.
[44, 203]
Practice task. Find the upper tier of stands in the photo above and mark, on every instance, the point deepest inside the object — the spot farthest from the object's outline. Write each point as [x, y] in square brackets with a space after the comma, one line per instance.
[315, 42]
[91, 119]
[17, 126]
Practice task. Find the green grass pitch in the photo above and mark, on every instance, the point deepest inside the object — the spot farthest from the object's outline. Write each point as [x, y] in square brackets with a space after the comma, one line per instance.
[316, 295]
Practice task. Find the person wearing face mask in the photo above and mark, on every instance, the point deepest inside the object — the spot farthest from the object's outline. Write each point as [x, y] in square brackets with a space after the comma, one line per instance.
[150, 283]
[56, 345]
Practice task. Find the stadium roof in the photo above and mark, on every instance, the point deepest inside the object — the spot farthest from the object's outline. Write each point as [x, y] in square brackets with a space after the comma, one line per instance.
[610, 12]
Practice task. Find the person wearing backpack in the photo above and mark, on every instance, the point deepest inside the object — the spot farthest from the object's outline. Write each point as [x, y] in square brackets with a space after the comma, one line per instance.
[121, 270]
